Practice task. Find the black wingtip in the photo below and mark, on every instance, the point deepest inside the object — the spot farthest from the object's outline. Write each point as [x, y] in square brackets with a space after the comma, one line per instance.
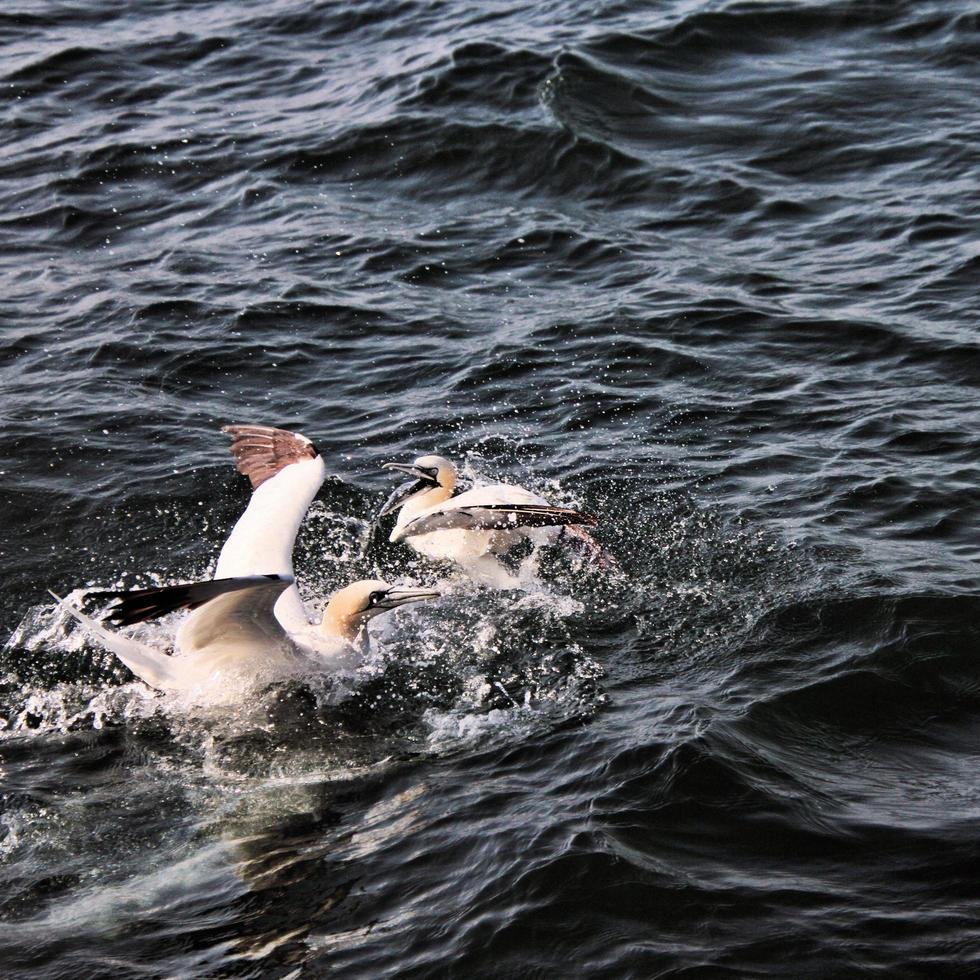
[133, 606]
[546, 512]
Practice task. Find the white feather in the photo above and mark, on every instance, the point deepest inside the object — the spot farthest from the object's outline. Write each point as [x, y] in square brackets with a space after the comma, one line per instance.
[156, 669]
[262, 541]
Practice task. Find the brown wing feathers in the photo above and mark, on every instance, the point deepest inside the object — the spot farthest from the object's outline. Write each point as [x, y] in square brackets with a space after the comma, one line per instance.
[261, 451]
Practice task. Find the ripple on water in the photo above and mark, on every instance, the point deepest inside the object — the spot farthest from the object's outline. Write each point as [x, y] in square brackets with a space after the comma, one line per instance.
[708, 273]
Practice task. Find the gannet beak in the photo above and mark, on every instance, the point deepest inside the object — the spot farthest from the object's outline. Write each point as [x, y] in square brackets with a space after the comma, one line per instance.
[400, 495]
[409, 468]
[420, 481]
[398, 596]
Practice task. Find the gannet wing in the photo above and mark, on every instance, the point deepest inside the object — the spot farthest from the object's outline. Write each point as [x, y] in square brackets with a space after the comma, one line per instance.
[286, 472]
[489, 517]
[150, 666]
[244, 616]
[230, 611]
[261, 452]
[138, 605]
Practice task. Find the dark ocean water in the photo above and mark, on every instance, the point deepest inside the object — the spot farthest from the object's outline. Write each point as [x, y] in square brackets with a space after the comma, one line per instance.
[708, 270]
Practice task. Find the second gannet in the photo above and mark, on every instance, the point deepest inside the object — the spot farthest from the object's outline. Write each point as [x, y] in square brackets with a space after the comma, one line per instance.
[475, 528]
[232, 643]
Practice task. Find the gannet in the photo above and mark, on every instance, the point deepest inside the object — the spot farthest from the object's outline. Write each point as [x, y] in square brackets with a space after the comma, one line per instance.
[253, 605]
[476, 527]
[233, 643]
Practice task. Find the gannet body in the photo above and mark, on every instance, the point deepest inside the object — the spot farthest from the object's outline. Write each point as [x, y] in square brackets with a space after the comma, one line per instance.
[474, 528]
[249, 627]
[233, 644]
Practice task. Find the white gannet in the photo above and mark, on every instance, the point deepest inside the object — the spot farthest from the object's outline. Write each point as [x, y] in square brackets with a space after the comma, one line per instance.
[476, 527]
[253, 603]
[232, 643]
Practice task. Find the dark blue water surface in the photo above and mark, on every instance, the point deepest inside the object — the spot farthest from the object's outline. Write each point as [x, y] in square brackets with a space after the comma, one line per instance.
[708, 270]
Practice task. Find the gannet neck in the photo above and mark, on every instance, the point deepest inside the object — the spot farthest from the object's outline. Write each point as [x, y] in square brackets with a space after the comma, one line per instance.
[423, 501]
[340, 623]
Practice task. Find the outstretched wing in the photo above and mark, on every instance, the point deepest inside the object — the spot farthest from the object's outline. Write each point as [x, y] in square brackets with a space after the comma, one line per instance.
[235, 615]
[244, 614]
[580, 541]
[138, 605]
[231, 611]
[490, 517]
[286, 473]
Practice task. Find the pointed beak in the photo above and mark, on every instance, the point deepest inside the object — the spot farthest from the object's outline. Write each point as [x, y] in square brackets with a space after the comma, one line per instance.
[420, 481]
[408, 468]
[399, 596]
[400, 495]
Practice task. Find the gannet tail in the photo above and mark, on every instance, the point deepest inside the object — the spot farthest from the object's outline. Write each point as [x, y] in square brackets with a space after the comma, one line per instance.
[155, 669]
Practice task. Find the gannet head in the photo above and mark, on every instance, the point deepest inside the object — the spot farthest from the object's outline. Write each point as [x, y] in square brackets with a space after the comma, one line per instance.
[351, 608]
[428, 473]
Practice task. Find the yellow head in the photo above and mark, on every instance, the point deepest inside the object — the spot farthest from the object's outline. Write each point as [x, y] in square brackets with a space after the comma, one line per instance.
[433, 481]
[352, 607]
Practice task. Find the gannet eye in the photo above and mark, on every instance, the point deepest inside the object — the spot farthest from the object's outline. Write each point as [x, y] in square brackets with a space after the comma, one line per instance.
[374, 598]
